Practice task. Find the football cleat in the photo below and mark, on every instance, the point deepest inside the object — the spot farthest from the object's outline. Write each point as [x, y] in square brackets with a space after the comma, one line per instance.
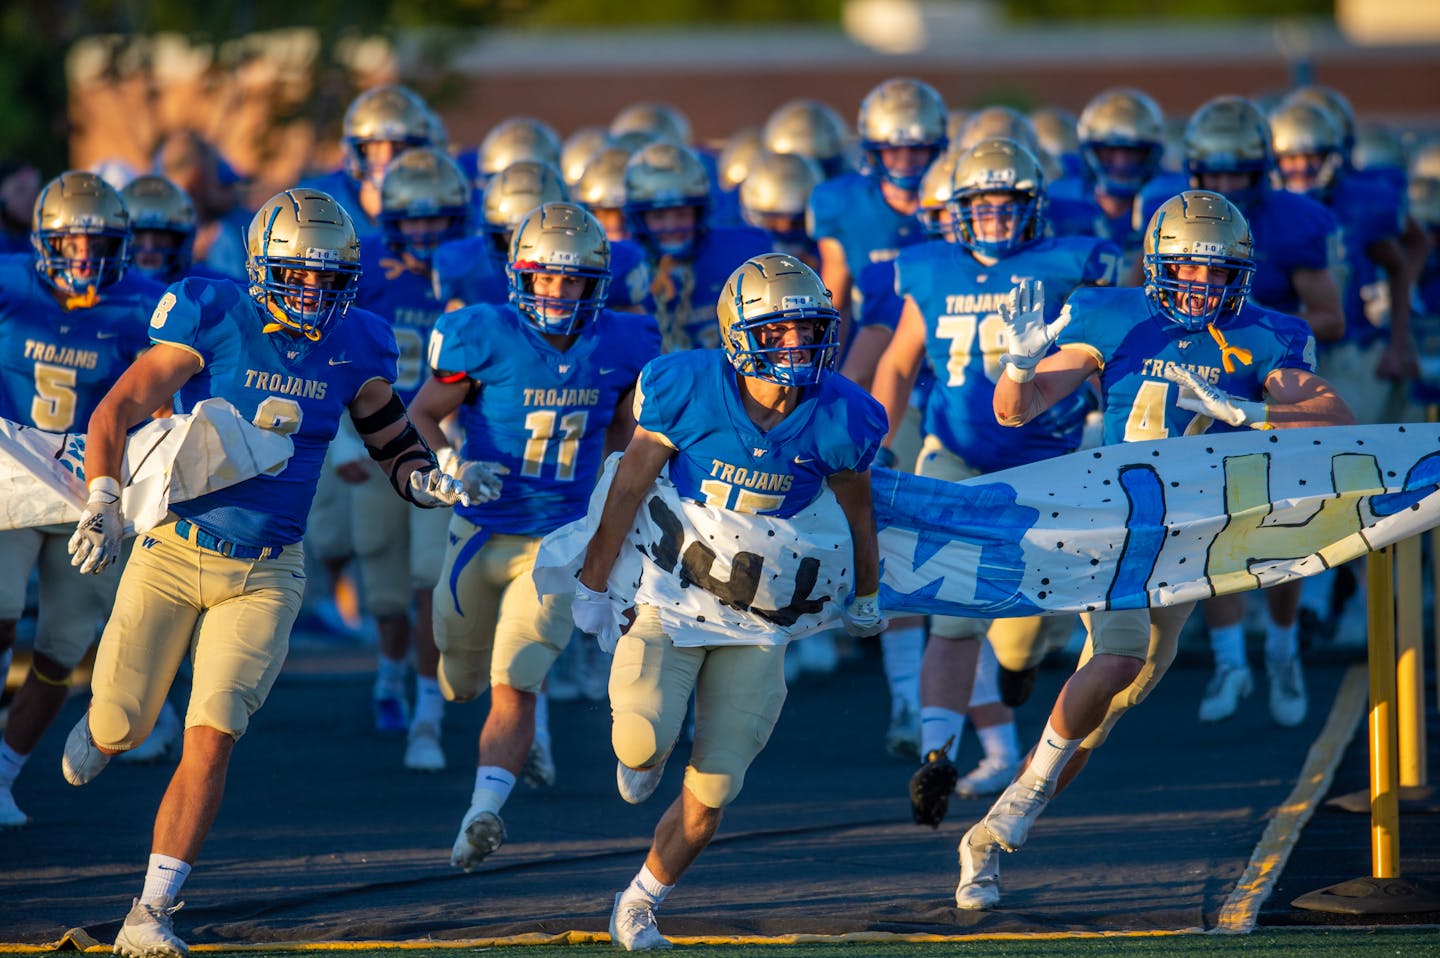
[987, 778]
[902, 740]
[1288, 701]
[1014, 812]
[149, 932]
[632, 926]
[1016, 686]
[539, 769]
[392, 712]
[979, 886]
[1227, 687]
[10, 814]
[481, 834]
[162, 744]
[931, 787]
[635, 785]
[82, 761]
[422, 748]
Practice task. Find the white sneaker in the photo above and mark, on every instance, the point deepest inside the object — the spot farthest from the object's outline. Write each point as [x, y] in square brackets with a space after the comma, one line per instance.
[1010, 818]
[637, 784]
[1227, 687]
[539, 770]
[10, 814]
[163, 743]
[632, 926]
[1288, 702]
[82, 761]
[987, 778]
[979, 886]
[902, 740]
[149, 932]
[422, 748]
[481, 833]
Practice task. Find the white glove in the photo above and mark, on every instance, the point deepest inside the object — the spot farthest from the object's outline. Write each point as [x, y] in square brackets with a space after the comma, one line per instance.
[431, 489]
[594, 614]
[1027, 338]
[481, 479]
[862, 616]
[1196, 395]
[96, 542]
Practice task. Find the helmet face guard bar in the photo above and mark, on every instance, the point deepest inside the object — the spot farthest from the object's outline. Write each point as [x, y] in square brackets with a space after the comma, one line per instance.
[1164, 289]
[552, 315]
[105, 269]
[804, 365]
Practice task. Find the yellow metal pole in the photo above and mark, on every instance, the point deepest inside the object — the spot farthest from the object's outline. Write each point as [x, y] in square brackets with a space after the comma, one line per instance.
[1384, 780]
[1409, 664]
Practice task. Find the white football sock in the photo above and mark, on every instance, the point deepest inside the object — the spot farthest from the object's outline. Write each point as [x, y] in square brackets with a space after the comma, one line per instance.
[1001, 743]
[987, 677]
[939, 726]
[493, 785]
[163, 880]
[429, 703]
[1228, 644]
[1051, 754]
[901, 650]
[645, 885]
[11, 762]
[1282, 642]
[389, 676]
[542, 717]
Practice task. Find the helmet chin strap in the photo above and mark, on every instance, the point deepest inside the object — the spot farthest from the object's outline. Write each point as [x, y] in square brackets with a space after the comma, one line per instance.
[282, 322]
[84, 300]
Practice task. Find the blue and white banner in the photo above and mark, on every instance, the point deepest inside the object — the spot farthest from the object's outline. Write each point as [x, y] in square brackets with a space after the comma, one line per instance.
[1118, 527]
[42, 474]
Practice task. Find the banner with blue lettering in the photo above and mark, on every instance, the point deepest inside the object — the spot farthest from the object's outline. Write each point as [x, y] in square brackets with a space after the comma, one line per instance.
[1116, 527]
[42, 474]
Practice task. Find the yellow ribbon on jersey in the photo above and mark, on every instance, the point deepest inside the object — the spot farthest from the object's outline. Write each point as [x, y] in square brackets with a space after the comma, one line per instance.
[84, 300]
[394, 268]
[284, 322]
[672, 301]
[1228, 352]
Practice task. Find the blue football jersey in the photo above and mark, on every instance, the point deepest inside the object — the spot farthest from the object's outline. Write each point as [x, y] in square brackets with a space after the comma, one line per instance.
[960, 298]
[851, 210]
[302, 396]
[405, 299]
[1368, 211]
[57, 364]
[468, 271]
[1082, 216]
[346, 191]
[1134, 345]
[1291, 232]
[722, 458]
[539, 412]
[683, 292]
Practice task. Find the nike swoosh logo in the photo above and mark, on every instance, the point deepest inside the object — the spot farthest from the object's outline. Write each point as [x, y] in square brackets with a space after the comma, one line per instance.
[492, 778]
[106, 335]
[339, 362]
[606, 372]
[167, 868]
[297, 575]
[803, 462]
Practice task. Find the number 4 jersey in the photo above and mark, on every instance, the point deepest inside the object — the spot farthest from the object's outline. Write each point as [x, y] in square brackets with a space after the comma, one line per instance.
[539, 412]
[302, 397]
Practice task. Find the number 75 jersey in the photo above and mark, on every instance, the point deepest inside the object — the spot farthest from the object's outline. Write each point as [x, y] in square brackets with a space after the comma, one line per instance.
[540, 412]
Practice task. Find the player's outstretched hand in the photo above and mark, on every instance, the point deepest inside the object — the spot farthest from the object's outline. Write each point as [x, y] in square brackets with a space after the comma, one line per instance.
[1196, 395]
[431, 489]
[96, 542]
[1027, 337]
[862, 616]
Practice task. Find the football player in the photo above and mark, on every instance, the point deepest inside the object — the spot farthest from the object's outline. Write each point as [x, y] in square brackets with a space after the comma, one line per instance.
[601, 190]
[812, 129]
[424, 202]
[951, 323]
[162, 224]
[195, 166]
[1166, 358]
[514, 139]
[667, 210]
[220, 582]
[773, 198]
[773, 386]
[71, 319]
[1298, 251]
[542, 387]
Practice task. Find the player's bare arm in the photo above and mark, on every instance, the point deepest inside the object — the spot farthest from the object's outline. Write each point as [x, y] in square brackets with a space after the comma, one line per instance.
[149, 383]
[899, 365]
[644, 457]
[622, 424]
[1300, 398]
[438, 398]
[390, 438]
[1399, 360]
[852, 491]
[1057, 376]
[1320, 303]
[866, 349]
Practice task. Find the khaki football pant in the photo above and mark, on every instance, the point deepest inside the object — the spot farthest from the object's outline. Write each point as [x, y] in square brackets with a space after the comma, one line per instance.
[400, 546]
[71, 605]
[490, 625]
[231, 616]
[739, 691]
[1149, 634]
[327, 530]
[1351, 370]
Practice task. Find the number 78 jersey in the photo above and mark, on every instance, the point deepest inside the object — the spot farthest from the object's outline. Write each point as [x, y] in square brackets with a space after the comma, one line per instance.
[540, 412]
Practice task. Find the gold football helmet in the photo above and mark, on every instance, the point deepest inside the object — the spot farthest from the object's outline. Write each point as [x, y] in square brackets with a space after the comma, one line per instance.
[1425, 163]
[565, 240]
[1331, 99]
[578, 149]
[390, 114]
[1228, 135]
[762, 296]
[1055, 127]
[659, 121]
[1122, 139]
[424, 201]
[80, 232]
[515, 139]
[515, 191]
[775, 193]
[162, 221]
[1307, 145]
[664, 176]
[984, 225]
[1378, 147]
[737, 155]
[902, 112]
[935, 191]
[998, 122]
[1198, 228]
[812, 129]
[304, 265]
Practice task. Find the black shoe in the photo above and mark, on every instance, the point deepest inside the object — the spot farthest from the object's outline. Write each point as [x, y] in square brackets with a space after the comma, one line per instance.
[931, 787]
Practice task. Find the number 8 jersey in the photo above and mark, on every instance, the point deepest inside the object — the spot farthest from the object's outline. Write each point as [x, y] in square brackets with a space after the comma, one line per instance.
[302, 396]
[539, 412]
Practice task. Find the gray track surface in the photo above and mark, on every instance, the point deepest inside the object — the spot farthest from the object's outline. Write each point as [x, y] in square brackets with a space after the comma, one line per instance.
[324, 836]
